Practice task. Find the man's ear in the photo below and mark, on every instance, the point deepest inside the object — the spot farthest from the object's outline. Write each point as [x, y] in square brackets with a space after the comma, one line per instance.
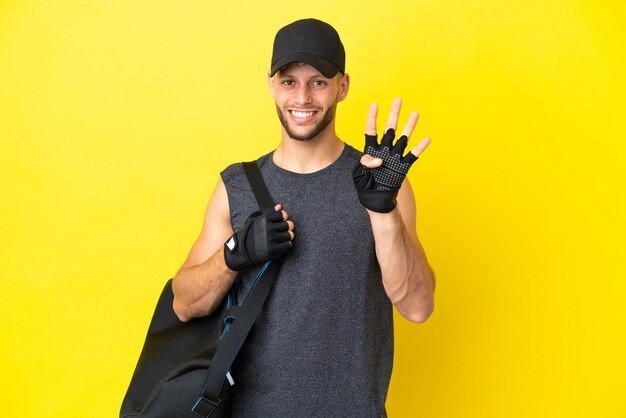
[344, 86]
[270, 84]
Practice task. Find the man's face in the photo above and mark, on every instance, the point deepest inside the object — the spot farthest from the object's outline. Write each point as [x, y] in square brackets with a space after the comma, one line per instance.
[306, 100]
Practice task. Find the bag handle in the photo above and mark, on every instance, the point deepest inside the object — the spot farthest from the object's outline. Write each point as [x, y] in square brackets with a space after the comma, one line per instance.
[240, 327]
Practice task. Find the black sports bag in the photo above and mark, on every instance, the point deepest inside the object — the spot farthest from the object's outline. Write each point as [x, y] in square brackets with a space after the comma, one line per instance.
[184, 367]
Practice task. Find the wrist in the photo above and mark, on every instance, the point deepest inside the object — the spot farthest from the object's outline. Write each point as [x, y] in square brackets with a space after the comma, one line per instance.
[387, 220]
[234, 257]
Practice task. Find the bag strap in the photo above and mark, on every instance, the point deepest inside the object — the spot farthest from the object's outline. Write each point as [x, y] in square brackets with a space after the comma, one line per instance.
[246, 314]
[262, 195]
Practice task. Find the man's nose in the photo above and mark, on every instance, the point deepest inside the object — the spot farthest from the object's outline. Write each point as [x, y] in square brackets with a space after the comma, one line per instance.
[303, 94]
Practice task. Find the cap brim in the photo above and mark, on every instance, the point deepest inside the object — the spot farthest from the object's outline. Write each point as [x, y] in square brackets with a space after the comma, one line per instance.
[321, 64]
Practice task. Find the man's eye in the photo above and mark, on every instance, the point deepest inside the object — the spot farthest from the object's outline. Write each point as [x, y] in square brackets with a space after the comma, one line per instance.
[288, 82]
[319, 83]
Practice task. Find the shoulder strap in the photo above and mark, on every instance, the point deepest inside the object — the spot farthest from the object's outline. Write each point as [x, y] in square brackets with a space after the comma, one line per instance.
[244, 315]
[259, 188]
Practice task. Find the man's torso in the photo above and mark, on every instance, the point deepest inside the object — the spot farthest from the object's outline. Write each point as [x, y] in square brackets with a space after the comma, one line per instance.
[323, 345]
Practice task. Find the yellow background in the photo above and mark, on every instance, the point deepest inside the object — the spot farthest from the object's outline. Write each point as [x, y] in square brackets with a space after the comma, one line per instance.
[116, 117]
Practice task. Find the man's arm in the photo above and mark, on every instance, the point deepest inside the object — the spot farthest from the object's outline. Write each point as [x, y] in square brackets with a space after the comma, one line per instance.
[407, 277]
[204, 278]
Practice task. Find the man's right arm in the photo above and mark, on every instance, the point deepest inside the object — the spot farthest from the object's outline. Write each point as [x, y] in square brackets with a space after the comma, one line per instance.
[204, 279]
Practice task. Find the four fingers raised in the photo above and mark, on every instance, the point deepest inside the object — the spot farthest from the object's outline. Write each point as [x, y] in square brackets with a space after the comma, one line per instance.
[392, 123]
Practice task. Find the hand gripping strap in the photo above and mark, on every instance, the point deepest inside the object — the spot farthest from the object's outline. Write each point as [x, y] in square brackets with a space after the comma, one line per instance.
[246, 314]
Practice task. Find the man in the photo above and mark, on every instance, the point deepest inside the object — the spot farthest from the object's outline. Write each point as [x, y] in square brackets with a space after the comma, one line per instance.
[323, 345]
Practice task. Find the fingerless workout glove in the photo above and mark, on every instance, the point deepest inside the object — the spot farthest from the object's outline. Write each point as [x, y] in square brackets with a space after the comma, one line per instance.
[263, 236]
[377, 188]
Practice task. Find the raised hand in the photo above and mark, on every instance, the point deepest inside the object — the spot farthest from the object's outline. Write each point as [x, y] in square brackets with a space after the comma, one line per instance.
[381, 171]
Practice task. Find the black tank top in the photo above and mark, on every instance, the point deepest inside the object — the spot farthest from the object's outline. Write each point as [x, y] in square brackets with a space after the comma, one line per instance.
[323, 345]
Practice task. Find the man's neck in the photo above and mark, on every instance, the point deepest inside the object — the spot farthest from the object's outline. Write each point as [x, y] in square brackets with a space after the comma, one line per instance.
[308, 156]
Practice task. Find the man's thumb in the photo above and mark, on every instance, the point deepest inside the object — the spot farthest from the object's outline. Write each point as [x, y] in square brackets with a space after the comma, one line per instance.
[371, 162]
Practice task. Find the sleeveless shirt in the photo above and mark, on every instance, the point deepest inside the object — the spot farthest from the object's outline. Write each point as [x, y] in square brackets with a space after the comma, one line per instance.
[323, 344]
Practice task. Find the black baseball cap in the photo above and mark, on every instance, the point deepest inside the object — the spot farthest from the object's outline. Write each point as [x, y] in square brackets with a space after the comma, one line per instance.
[310, 41]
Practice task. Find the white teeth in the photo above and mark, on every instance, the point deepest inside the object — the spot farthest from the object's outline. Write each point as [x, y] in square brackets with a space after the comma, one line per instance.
[301, 114]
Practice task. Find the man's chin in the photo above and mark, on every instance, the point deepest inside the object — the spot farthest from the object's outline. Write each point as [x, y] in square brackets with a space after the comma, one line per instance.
[302, 136]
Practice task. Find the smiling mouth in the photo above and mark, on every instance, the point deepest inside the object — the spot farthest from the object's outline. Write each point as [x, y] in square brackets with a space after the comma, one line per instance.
[299, 114]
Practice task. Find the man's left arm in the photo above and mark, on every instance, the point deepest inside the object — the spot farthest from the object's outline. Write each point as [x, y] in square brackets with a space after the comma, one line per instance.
[382, 187]
[407, 277]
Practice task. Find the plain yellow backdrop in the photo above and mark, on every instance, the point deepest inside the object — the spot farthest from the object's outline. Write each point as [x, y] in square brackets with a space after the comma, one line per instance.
[117, 116]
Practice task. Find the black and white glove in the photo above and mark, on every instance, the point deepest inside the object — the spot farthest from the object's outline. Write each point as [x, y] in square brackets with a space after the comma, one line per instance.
[377, 188]
[263, 236]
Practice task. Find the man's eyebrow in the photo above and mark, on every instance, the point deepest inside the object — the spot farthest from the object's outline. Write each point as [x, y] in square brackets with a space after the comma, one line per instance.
[287, 74]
